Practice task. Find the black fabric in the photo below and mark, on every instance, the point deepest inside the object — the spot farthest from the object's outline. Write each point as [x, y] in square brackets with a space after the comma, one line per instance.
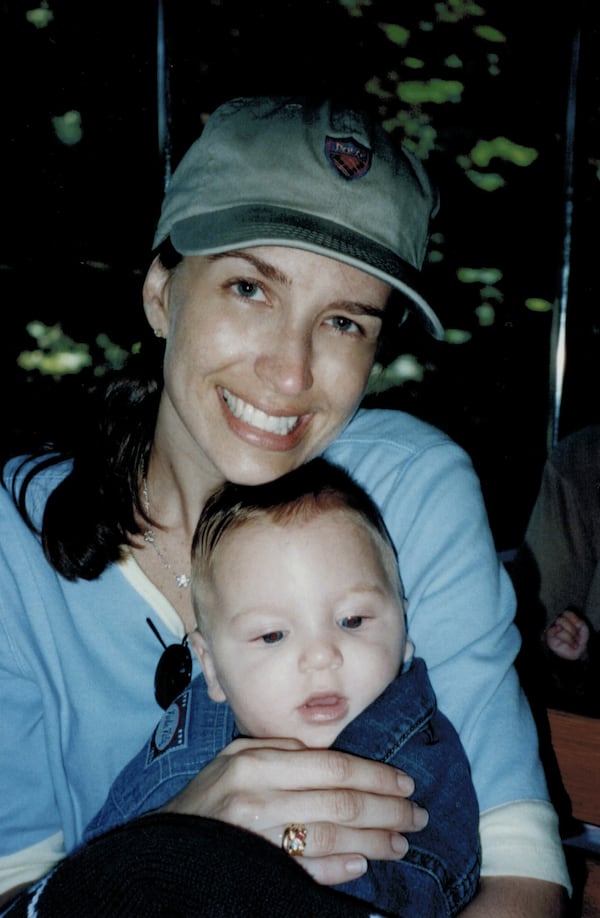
[182, 867]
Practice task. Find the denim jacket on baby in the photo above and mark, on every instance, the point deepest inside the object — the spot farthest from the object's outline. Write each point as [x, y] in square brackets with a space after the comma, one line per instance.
[403, 727]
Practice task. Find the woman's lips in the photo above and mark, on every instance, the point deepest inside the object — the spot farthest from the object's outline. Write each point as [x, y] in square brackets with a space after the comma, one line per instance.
[255, 426]
[324, 708]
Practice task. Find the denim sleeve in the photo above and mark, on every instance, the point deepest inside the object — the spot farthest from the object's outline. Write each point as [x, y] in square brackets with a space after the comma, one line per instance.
[438, 876]
[191, 732]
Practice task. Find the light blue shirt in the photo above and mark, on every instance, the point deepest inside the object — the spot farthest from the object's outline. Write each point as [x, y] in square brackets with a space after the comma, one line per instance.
[77, 660]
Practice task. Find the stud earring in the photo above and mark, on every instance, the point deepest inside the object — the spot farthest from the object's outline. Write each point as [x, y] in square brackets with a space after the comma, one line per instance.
[158, 333]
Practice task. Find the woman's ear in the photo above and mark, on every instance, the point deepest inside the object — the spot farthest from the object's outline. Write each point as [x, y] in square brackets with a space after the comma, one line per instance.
[156, 298]
[200, 648]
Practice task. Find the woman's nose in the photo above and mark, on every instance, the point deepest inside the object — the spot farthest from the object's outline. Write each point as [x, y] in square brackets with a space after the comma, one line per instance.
[320, 654]
[286, 367]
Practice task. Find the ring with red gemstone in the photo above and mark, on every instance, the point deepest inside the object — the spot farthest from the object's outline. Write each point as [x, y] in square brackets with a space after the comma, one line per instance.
[294, 839]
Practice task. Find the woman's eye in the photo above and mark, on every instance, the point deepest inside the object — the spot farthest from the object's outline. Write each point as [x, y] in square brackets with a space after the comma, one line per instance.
[352, 622]
[345, 325]
[272, 637]
[248, 290]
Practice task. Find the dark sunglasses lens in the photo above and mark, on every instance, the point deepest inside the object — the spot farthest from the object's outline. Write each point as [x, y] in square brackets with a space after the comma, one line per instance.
[173, 674]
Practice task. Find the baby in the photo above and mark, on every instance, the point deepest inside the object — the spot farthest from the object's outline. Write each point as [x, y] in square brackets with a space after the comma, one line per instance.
[302, 631]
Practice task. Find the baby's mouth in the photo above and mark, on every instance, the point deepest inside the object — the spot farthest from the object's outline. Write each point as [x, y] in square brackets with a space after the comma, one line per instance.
[324, 708]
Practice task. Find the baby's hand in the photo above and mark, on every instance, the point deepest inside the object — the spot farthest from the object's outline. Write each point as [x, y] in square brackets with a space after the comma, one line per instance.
[568, 636]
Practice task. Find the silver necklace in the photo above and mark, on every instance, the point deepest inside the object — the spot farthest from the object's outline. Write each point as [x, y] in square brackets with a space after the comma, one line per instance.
[182, 580]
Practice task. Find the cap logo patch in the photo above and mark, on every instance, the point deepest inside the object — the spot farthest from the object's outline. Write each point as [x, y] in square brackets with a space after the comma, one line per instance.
[348, 157]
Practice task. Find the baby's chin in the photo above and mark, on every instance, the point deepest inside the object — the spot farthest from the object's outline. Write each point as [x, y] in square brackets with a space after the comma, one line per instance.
[312, 738]
[317, 727]
[319, 737]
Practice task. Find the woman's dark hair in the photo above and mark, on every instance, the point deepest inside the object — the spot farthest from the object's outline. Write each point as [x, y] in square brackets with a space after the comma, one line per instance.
[90, 514]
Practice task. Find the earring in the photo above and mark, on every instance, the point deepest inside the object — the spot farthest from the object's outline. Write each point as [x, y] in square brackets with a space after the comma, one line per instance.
[158, 333]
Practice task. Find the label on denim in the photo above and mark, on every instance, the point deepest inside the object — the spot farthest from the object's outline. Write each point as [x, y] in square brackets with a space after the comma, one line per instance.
[170, 731]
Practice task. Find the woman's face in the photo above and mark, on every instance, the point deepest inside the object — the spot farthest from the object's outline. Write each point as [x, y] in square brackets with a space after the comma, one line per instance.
[268, 351]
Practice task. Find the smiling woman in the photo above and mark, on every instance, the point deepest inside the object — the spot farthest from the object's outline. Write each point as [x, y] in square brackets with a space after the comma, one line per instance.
[291, 221]
[268, 352]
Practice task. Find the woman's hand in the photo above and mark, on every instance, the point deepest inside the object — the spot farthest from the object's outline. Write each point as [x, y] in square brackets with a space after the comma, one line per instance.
[353, 809]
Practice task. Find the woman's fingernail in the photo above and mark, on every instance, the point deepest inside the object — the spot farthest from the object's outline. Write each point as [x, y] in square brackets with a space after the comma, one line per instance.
[405, 783]
[399, 844]
[421, 817]
[356, 866]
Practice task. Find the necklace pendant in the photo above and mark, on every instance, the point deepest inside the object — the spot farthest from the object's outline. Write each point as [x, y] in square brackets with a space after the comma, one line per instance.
[182, 580]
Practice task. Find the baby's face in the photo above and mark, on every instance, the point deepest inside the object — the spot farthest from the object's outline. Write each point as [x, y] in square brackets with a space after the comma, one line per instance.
[304, 625]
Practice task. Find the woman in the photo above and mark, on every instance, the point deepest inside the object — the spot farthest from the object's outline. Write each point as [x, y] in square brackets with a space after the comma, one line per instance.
[286, 235]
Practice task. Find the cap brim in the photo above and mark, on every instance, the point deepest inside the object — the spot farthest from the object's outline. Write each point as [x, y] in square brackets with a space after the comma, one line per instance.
[248, 226]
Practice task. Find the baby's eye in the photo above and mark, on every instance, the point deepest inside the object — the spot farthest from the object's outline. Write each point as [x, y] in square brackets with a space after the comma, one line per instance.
[272, 637]
[352, 622]
[248, 290]
[345, 325]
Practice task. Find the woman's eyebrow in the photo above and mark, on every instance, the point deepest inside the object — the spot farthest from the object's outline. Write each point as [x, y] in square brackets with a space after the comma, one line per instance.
[275, 274]
[361, 309]
[264, 267]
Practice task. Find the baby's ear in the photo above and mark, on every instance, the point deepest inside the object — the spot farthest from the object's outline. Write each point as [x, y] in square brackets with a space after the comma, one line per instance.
[200, 648]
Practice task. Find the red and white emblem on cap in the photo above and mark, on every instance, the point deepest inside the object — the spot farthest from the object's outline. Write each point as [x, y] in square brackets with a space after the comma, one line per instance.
[348, 157]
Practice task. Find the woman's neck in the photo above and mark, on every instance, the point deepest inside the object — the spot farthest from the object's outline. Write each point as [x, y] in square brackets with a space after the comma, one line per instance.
[172, 498]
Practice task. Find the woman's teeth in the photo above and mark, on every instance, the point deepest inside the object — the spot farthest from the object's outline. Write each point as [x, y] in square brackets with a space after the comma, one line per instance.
[257, 418]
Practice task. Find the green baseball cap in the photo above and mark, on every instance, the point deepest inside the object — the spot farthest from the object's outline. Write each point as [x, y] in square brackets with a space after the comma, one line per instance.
[286, 171]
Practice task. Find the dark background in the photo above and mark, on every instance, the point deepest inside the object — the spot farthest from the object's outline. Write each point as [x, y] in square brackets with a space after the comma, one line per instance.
[78, 219]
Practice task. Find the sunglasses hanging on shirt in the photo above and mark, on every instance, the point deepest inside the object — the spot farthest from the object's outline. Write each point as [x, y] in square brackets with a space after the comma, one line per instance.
[173, 672]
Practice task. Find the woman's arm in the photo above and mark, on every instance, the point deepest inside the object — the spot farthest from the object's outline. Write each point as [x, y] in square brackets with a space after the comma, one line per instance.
[461, 609]
[6, 897]
[517, 897]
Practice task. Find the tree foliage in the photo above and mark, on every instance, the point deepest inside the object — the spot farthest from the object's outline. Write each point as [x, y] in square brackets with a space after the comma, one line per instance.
[480, 91]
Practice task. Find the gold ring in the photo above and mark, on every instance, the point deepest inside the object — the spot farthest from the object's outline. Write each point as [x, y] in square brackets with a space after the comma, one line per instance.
[294, 839]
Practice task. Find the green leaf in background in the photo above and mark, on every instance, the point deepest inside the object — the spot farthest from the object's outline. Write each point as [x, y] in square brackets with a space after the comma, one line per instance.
[501, 147]
[437, 91]
[536, 304]
[403, 368]
[56, 354]
[396, 33]
[41, 16]
[68, 128]
[490, 34]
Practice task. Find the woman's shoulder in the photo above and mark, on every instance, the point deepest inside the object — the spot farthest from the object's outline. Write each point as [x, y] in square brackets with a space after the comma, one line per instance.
[394, 454]
[380, 431]
[38, 475]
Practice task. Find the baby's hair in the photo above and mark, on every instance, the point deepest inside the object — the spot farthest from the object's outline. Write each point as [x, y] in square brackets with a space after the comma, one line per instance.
[300, 495]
